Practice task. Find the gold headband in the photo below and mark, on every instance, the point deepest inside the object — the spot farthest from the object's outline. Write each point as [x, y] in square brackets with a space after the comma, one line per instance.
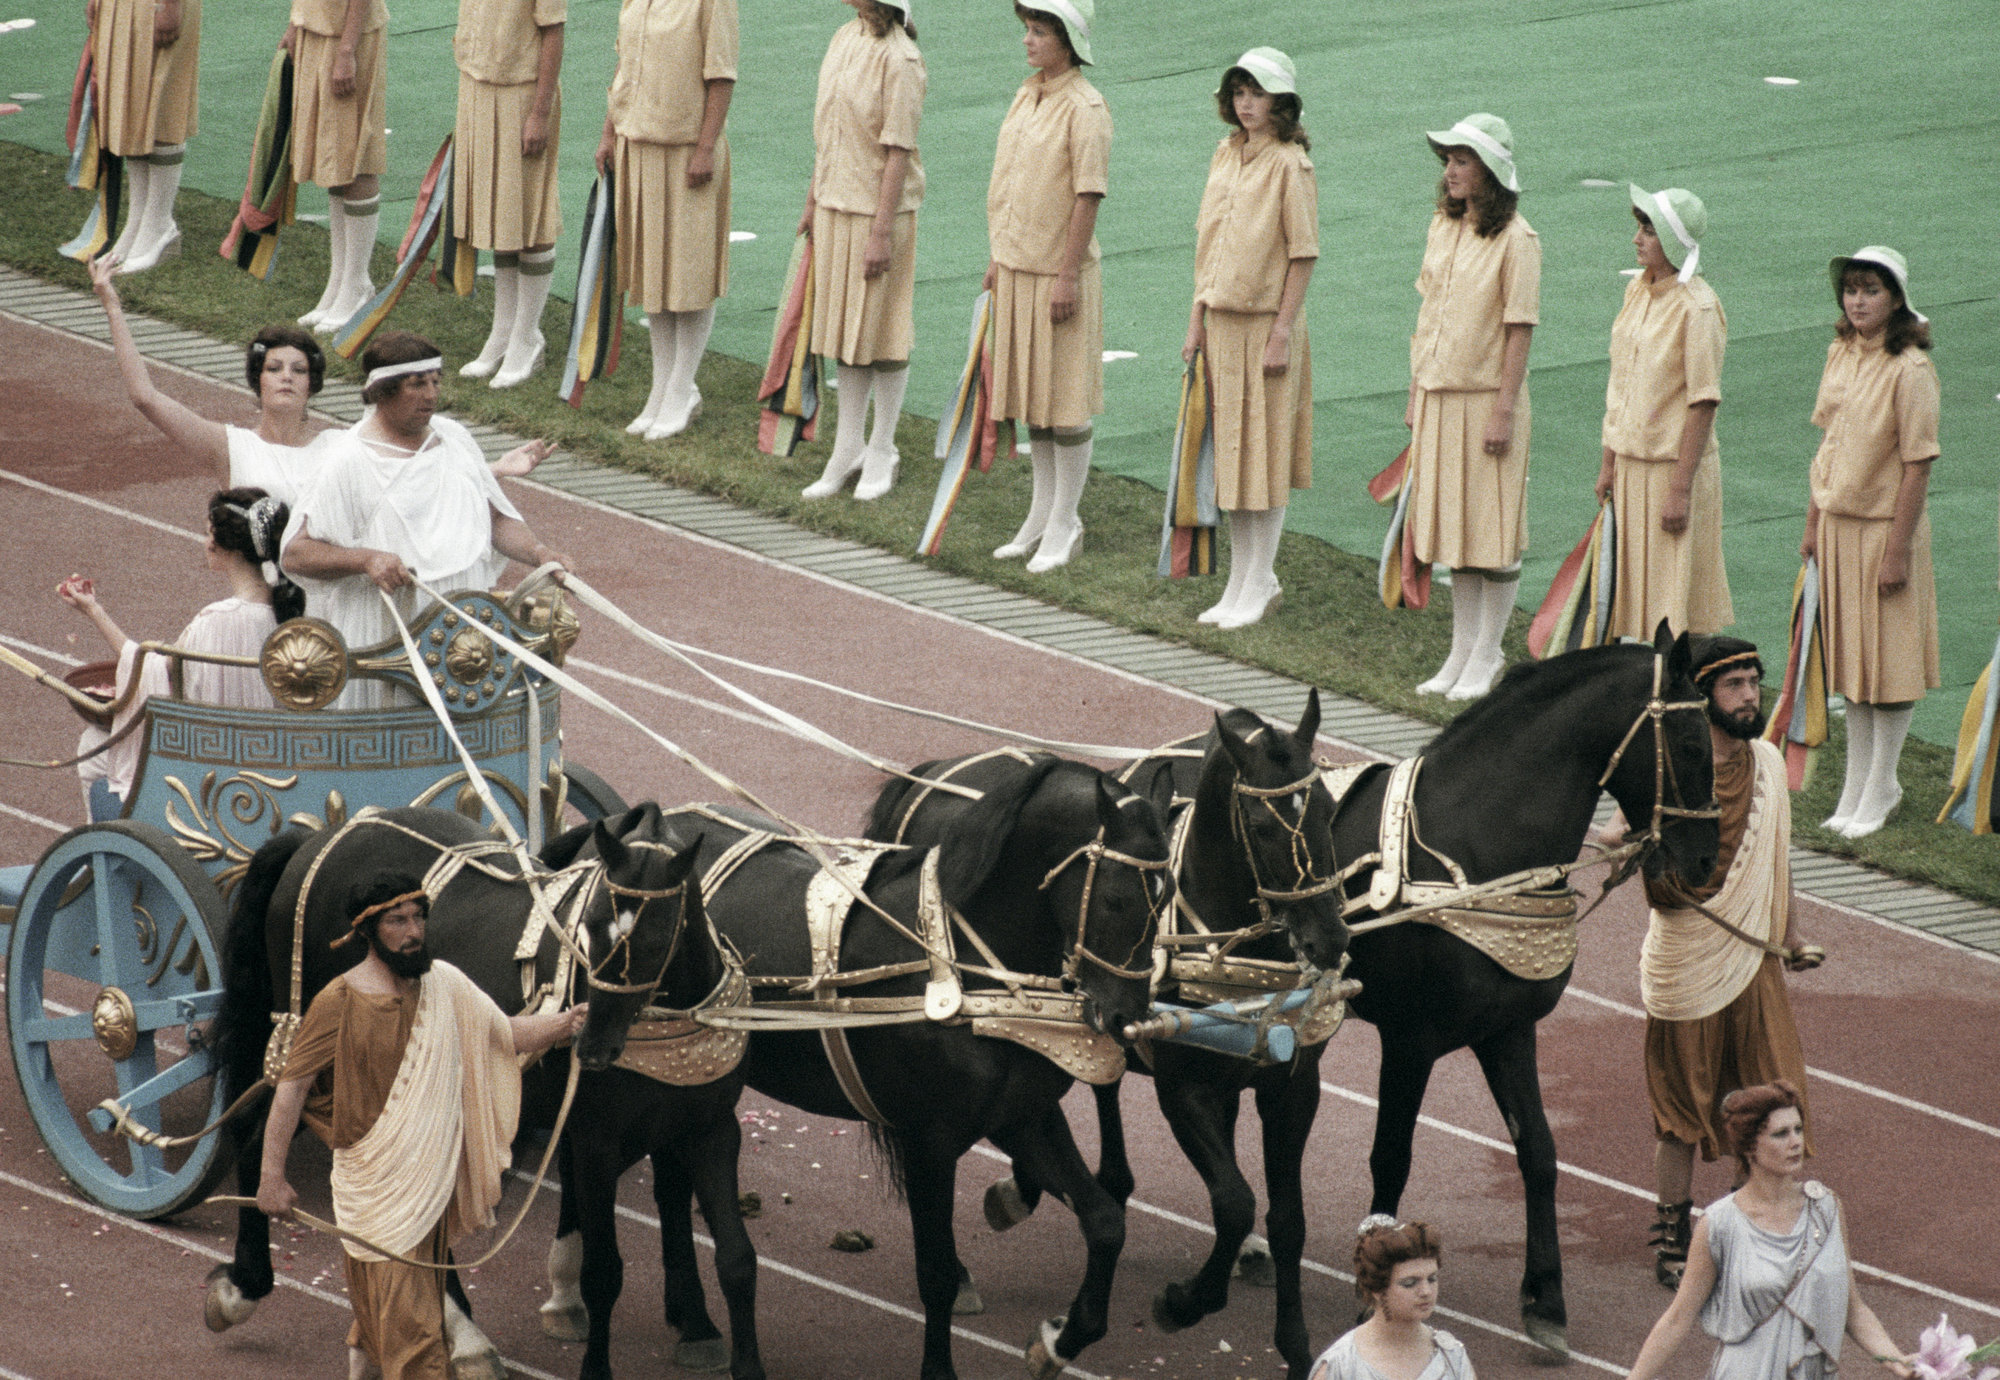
[354, 925]
[1721, 664]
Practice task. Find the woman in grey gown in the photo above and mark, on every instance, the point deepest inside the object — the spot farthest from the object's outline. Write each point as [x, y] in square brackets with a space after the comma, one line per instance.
[1396, 1276]
[1767, 1273]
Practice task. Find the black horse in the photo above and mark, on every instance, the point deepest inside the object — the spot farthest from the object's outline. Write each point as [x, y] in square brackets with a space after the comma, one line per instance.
[1510, 786]
[1256, 858]
[1061, 875]
[475, 923]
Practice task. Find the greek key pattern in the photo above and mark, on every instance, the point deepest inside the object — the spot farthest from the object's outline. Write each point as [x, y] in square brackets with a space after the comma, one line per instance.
[207, 735]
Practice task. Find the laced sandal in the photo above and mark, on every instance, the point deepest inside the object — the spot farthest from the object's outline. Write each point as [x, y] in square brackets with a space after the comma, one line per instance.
[1673, 1230]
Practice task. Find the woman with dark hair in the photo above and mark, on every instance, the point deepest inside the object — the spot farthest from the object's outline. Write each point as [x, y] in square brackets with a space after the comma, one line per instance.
[1662, 470]
[1767, 1272]
[1867, 524]
[861, 213]
[1396, 1277]
[244, 526]
[1468, 410]
[1048, 293]
[1256, 240]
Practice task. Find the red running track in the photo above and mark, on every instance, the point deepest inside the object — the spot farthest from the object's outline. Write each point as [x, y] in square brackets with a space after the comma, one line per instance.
[1900, 1029]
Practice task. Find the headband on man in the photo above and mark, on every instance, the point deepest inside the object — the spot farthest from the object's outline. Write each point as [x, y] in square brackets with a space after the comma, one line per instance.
[435, 364]
[1706, 674]
[362, 917]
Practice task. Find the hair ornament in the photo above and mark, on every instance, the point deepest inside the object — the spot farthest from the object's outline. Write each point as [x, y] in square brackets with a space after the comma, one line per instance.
[1377, 1220]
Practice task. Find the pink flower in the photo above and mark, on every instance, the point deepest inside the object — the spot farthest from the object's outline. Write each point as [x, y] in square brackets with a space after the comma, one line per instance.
[1943, 1352]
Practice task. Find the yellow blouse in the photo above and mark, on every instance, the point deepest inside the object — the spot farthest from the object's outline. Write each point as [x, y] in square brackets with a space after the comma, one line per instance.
[1473, 289]
[667, 51]
[1256, 216]
[1055, 146]
[496, 40]
[1880, 413]
[1666, 356]
[871, 98]
[327, 16]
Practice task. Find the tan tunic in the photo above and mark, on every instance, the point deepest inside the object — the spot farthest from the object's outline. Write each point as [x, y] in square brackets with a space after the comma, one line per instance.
[1257, 215]
[673, 240]
[1054, 146]
[1666, 355]
[1468, 509]
[146, 96]
[502, 200]
[1880, 413]
[336, 139]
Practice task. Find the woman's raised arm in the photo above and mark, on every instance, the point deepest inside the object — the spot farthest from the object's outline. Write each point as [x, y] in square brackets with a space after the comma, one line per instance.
[185, 428]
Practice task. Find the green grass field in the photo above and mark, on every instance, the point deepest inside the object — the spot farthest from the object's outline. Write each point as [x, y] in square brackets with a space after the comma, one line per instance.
[1887, 136]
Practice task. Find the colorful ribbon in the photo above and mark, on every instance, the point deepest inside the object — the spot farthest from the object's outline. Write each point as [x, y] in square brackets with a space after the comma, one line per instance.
[790, 387]
[426, 218]
[1973, 765]
[91, 167]
[1799, 722]
[270, 196]
[1400, 578]
[598, 323]
[966, 431]
[1187, 526]
[1576, 612]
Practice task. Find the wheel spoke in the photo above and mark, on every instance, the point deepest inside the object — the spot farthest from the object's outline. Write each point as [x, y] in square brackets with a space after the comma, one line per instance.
[113, 895]
[143, 1097]
[50, 1029]
[157, 1015]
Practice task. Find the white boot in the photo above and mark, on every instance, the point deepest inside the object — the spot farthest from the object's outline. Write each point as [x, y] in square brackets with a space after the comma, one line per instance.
[1860, 757]
[159, 237]
[1468, 599]
[660, 330]
[336, 255]
[1064, 531]
[1883, 793]
[525, 343]
[1042, 458]
[850, 430]
[879, 462]
[1240, 542]
[138, 177]
[506, 294]
[682, 402]
[356, 286]
[1258, 558]
[1486, 660]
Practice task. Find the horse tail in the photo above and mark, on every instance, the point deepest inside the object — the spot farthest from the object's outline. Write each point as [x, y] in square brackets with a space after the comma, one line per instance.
[243, 1025]
[889, 801]
[891, 1158]
[975, 840]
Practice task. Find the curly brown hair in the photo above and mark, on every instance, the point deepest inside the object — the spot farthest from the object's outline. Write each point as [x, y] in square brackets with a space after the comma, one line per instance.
[1286, 109]
[1745, 1111]
[288, 337]
[1494, 202]
[1055, 22]
[1905, 327]
[1380, 1249]
[881, 18]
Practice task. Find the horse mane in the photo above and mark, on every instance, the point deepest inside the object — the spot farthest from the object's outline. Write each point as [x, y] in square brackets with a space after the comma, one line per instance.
[1528, 685]
[243, 1022]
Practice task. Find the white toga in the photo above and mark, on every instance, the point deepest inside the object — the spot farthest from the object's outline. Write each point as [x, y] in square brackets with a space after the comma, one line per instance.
[283, 472]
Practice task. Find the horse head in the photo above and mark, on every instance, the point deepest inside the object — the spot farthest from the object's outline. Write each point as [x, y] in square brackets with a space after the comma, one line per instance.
[641, 924]
[1279, 855]
[1663, 777]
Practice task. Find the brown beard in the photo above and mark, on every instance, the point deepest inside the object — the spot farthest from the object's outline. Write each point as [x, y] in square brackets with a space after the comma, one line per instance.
[403, 965]
[1737, 725]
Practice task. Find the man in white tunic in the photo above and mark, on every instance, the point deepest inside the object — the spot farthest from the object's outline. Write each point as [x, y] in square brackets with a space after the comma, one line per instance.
[404, 494]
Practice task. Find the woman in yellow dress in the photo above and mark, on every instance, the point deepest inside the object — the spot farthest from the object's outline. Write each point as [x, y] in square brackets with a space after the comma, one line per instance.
[1867, 523]
[1048, 293]
[1662, 471]
[1256, 240]
[1468, 411]
[145, 57]
[861, 212]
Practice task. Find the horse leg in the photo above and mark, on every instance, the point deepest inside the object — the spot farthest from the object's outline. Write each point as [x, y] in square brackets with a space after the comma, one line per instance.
[1114, 1171]
[563, 1314]
[701, 1346]
[712, 1163]
[600, 1280]
[1203, 1120]
[1287, 1103]
[235, 1288]
[1406, 1072]
[473, 1355]
[930, 1174]
[1049, 1151]
[1507, 1058]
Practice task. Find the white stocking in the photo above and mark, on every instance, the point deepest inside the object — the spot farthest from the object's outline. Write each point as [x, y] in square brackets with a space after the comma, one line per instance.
[1064, 528]
[158, 237]
[1486, 660]
[660, 331]
[682, 400]
[1254, 535]
[1860, 758]
[1042, 459]
[138, 178]
[1468, 599]
[336, 255]
[849, 430]
[525, 343]
[879, 459]
[356, 287]
[1883, 793]
[506, 293]
[1240, 542]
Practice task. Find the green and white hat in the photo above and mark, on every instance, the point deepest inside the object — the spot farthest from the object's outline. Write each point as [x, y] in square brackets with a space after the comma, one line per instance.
[1876, 256]
[1076, 16]
[1684, 219]
[1269, 68]
[1487, 136]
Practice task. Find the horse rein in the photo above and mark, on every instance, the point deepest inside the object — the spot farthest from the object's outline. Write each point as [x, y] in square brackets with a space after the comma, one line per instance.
[1094, 852]
[1656, 710]
[1308, 887]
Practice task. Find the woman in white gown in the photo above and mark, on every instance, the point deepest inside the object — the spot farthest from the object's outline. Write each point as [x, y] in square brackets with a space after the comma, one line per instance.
[244, 526]
[1396, 1275]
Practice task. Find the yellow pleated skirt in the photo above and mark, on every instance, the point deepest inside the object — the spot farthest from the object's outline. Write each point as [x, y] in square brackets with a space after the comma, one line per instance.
[499, 199]
[1467, 509]
[336, 139]
[673, 239]
[146, 96]
[855, 320]
[1678, 577]
[1880, 649]
[1046, 374]
[1263, 426]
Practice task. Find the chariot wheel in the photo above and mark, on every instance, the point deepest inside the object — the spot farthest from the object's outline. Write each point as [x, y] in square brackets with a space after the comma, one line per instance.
[113, 971]
[589, 796]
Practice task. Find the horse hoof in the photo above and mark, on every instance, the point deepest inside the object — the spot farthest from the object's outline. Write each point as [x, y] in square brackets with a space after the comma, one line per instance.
[224, 1305]
[1552, 1337]
[1254, 1264]
[1005, 1207]
[968, 1303]
[478, 1365]
[1044, 1362]
[709, 1355]
[1164, 1316]
[565, 1322]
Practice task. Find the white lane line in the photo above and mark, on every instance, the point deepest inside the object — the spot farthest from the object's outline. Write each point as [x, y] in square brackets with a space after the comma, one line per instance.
[113, 509]
[7, 1374]
[46, 653]
[208, 1252]
[832, 1286]
[1838, 1080]
[15, 812]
